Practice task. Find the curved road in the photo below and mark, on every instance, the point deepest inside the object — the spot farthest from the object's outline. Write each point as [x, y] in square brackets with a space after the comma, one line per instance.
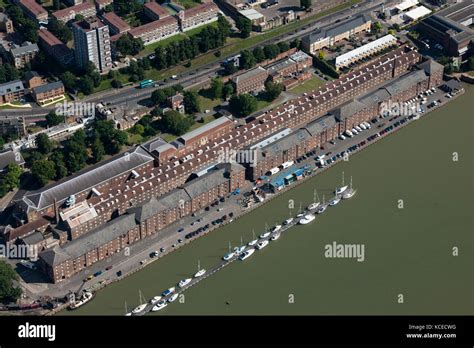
[132, 95]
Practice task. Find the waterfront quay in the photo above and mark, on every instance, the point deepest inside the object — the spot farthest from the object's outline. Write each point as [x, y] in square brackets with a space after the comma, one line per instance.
[407, 251]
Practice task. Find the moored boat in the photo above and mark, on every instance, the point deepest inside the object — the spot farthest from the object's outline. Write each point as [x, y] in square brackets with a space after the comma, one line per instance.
[159, 306]
[86, 297]
[307, 219]
[246, 254]
[184, 282]
[173, 298]
[155, 299]
[262, 244]
[275, 236]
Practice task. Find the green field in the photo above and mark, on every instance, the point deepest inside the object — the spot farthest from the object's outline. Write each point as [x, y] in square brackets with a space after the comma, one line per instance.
[307, 86]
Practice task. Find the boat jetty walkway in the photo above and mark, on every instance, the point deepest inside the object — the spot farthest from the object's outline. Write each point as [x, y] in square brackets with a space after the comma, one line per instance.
[286, 226]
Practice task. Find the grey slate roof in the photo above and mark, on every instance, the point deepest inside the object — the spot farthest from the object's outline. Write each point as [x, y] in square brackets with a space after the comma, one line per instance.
[48, 87]
[90, 241]
[12, 86]
[321, 124]
[249, 74]
[10, 156]
[337, 28]
[30, 74]
[205, 183]
[25, 48]
[430, 66]
[348, 109]
[33, 238]
[217, 122]
[405, 82]
[156, 144]
[87, 179]
[286, 143]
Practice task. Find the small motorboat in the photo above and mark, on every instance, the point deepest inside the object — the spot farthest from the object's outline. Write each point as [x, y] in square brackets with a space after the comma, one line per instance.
[288, 221]
[228, 256]
[265, 235]
[184, 282]
[275, 236]
[262, 244]
[159, 306]
[173, 298]
[307, 219]
[200, 273]
[252, 242]
[276, 228]
[155, 300]
[168, 292]
[246, 254]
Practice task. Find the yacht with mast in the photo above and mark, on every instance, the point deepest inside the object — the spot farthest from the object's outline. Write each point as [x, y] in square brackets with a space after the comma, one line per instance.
[341, 189]
[323, 207]
[229, 255]
[142, 305]
[200, 271]
[254, 240]
[316, 202]
[335, 200]
[350, 193]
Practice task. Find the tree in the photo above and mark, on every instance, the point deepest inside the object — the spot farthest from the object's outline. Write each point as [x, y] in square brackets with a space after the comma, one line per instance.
[53, 119]
[43, 171]
[224, 26]
[321, 54]
[158, 97]
[305, 4]
[116, 83]
[111, 138]
[272, 90]
[58, 158]
[230, 69]
[227, 90]
[60, 30]
[271, 51]
[98, 150]
[75, 152]
[283, 46]
[376, 27]
[11, 178]
[244, 25]
[69, 80]
[247, 60]
[243, 105]
[191, 102]
[138, 129]
[43, 144]
[8, 292]
[216, 88]
[86, 85]
[128, 45]
[175, 123]
[258, 54]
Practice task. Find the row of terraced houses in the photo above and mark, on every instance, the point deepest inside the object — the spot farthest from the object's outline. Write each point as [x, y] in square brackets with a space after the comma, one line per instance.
[87, 217]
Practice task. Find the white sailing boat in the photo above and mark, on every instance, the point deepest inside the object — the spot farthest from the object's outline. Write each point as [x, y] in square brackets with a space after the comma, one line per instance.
[200, 271]
[323, 207]
[246, 254]
[254, 240]
[350, 193]
[341, 189]
[159, 306]
[300, 213]
[142, 305]
[335, 200]
[275, 236]
[229, 255]
[307, 219]
[127, 313]
[241, 248]
[289, 220]
[262, 244]
[316, 202]
[266, 233]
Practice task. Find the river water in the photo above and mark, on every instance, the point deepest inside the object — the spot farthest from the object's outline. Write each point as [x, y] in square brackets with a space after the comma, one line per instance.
[408, 266]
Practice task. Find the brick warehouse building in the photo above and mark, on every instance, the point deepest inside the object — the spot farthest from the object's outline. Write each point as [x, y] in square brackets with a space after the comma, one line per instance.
[137, 223]
[122, 184]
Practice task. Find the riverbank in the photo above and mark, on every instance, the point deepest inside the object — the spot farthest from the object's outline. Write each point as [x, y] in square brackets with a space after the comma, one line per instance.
[408, 251]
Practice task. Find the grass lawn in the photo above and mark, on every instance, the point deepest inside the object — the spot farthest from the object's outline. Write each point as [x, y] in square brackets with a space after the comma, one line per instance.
[235, 45]
[168, 137]
[134, 139]
[307, 86]
[151, 48]
[197, 30]
[187, 3]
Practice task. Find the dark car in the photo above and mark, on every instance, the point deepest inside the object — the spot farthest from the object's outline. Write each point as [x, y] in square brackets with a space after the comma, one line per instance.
[162, 249]
[119, 273]
[181, 229]
[108, 268]
[222, 199]
[180, 240]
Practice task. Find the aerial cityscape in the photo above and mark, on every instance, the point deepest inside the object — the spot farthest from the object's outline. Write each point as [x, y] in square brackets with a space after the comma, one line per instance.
[131, 129]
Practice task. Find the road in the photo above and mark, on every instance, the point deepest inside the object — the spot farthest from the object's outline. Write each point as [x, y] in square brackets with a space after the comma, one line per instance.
[129, 96]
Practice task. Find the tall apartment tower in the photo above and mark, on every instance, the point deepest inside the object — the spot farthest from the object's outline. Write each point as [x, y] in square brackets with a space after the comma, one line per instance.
[92, 44]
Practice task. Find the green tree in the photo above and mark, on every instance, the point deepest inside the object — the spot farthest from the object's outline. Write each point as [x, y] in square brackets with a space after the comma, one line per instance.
[321, 55]
[191, 102]
[227, 90]
[272, 90]
[258, 54]
[98, 150]
[175, 123]
[247, 60]
[224, 26]
[8, 277]
[271, 51]
[243, 105]
[43, 171]
[158, 97]
[376, 27]
[43, 144]
[11, 178]
[60, 30]
[216, 88]
[244, 25]
[58, 158]
[86, 85]
[69, 80]
[305, 4]
[230, 69]
[138, 129]
[53, 119]
[283, 46]
[75, 152]
[128, 45]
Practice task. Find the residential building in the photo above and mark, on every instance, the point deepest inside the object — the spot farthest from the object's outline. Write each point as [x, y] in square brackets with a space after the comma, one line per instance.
[92, 44]
[85, 9]
[156, 30]
[48, 92]
[55, 47]
[12, 125]
[33, 79]
[176, 102]
[331, 34]
[10, 156]
[198, 15]
[154, 11]
[34, 10]
[11, 91]
[251, 81]
[101, 4]
[116, 24]
[6, 24]
[24, 54]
